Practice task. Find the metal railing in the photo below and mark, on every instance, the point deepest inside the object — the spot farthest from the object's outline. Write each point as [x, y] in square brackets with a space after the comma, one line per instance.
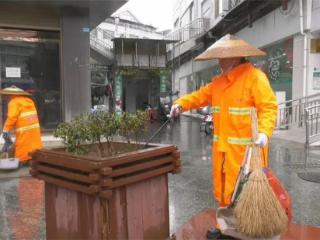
[101, 40]
[234, 3]
[292, 113]
[312, 122]
[189, 31]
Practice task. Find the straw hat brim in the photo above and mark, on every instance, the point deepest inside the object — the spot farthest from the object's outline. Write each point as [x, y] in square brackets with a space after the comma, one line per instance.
[20, 93]
[230, 47]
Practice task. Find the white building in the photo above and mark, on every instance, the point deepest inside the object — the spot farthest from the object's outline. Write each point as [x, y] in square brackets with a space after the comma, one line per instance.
[127, 45]
[121, 25]
[289, 31]
[124, 24]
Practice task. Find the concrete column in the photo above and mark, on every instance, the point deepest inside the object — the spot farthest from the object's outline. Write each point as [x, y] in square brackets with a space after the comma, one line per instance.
[313, 64]
[297, 71]
[75, 54]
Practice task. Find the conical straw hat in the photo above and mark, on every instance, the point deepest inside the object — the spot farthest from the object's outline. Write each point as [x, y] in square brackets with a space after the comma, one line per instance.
[229, 47]
[13, 90]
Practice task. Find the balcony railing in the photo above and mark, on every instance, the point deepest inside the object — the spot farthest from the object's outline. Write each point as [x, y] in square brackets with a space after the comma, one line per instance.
[190, 31]
[101, 40]
[234, 3]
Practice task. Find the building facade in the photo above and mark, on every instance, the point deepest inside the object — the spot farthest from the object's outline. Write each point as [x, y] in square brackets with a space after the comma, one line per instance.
[288, 31]
[136, 63]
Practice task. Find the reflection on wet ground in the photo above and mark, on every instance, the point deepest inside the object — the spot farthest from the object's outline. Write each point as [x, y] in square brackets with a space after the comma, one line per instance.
[22, 212]
[190, 192]
[22, 201]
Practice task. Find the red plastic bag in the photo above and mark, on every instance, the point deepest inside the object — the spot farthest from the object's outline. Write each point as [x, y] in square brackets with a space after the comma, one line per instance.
[281, 193]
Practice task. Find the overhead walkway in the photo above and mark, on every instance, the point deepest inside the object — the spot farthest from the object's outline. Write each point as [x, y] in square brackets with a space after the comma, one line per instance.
[101, 46]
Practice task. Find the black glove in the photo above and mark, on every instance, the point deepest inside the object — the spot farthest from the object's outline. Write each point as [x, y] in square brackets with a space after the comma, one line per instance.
[7, 138]
[7, 141]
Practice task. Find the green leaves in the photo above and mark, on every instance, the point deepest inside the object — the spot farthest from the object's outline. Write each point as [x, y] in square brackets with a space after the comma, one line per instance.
[133, 125]
[98, 127]
[74, 134]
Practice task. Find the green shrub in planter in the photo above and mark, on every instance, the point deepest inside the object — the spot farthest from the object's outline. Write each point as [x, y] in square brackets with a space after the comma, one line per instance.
[99, 129]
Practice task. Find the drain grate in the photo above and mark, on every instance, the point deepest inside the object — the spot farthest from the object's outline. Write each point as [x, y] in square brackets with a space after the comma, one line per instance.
[302, 165]
[310, 176]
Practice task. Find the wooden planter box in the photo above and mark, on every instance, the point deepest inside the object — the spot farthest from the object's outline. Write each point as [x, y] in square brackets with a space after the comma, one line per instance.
[119, 197]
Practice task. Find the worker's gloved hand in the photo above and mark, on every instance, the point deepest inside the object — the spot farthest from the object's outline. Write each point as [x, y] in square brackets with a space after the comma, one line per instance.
[262, 140]
[175, 110]
[7, 141]
[7, 137]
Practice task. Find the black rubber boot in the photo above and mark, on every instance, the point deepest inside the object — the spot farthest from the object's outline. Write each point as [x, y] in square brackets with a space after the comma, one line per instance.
[214, 233]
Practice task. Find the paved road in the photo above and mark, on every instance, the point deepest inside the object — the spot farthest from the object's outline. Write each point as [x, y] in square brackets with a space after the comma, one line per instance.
[21, 199]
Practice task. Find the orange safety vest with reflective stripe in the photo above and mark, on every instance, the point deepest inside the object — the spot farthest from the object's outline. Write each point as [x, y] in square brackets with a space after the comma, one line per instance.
[22, 117]
[231, 96]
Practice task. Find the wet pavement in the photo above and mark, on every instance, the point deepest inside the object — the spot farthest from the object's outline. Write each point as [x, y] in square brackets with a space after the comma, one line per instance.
[190, 192]
[21, 197]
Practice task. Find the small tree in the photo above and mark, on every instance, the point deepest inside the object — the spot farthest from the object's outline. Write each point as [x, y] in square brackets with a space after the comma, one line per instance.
[133, 125]
[95, 122]
[74, 134]
[110, 129]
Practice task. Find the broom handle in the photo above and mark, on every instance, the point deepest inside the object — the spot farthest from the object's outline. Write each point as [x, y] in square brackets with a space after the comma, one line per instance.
[255, 160]
[254, 124]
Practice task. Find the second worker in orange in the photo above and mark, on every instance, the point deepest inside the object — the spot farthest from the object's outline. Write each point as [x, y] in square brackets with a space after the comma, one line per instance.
[22, 118]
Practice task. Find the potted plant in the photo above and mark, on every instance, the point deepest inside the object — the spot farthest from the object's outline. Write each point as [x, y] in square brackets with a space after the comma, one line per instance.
[105, 184]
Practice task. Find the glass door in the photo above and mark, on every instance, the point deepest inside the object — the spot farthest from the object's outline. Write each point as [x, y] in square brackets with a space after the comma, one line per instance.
[30, 60]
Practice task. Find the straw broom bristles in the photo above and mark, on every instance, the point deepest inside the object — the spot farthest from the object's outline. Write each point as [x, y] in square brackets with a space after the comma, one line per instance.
[258, 212]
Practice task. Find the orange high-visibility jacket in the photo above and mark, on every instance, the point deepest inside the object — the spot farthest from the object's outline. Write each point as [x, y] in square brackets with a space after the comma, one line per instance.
[231, 96]
[22, 117]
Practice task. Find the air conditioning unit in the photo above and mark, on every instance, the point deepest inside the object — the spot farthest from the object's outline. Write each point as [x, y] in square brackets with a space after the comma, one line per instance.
[315, 45]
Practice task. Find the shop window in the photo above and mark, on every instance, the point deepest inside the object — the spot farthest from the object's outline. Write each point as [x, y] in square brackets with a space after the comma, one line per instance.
[277, 65]
[35, 54]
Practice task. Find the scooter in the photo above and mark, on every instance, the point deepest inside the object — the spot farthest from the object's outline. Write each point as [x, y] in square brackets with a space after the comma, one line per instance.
[206, 125]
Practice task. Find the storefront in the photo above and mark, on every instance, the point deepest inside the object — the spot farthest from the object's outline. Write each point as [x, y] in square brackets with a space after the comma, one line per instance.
[45, 49]
[30, 60]
[141, 75]
[277, 65]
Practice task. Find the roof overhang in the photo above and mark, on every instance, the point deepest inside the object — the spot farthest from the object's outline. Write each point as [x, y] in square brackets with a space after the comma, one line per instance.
[145, 45]
[242, 15]
[98, 10]
[143, 40]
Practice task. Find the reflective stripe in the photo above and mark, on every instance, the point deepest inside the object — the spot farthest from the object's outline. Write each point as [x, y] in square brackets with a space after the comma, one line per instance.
[30, 113]
[240, 111]
[215, 138]
[215, 109]
[239, 141]
[23, 129]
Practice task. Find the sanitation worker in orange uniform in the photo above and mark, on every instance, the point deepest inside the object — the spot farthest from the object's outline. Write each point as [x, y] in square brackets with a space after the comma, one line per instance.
[232, 94]
[22, 118]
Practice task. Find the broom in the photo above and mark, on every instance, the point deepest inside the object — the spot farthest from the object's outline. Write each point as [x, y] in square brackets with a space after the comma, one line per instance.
[258, 212]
